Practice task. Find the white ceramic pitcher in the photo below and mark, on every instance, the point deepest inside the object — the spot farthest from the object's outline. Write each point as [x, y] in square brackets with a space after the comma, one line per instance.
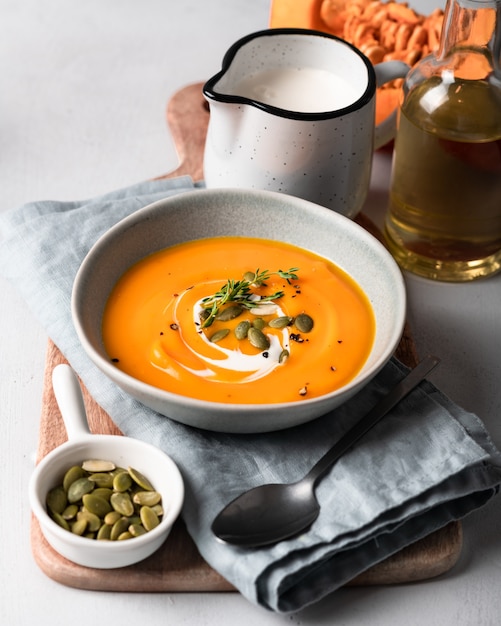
[293, 110]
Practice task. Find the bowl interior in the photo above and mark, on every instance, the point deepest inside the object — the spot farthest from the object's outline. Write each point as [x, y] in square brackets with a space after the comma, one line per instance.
[228, 212]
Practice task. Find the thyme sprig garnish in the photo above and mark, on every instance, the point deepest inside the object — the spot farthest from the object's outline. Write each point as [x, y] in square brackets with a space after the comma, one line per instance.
[240, 292]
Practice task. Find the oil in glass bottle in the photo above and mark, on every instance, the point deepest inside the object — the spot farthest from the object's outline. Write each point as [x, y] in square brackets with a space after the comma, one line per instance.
[444, 218]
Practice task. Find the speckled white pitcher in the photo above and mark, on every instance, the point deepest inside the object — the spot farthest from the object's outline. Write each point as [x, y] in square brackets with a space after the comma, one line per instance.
[315, 140]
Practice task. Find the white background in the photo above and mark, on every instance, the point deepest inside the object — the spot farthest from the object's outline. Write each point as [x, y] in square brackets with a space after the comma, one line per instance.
[83, 90]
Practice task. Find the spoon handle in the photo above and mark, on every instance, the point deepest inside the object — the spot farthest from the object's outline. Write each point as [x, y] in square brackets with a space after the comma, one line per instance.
[69, 398]
[403, 388]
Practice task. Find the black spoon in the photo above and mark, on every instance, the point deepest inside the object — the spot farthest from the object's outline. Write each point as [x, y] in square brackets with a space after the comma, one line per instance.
[270, 513]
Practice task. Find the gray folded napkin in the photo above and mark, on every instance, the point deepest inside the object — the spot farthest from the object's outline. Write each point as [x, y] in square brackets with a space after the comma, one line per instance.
[427, 463]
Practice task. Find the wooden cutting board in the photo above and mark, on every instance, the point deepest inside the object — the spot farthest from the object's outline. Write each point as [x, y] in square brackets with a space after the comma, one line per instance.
[177, 565]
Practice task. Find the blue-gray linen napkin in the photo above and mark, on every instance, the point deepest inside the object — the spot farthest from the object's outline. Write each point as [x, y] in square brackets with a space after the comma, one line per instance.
[427, 463]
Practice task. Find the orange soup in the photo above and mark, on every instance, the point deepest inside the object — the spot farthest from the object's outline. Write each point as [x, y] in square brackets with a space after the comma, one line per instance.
[239, 320]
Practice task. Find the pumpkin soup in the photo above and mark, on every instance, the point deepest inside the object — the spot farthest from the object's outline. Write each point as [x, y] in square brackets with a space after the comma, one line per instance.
[239, 320]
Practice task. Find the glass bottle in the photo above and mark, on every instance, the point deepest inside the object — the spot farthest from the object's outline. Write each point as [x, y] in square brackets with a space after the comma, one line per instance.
[444, 218]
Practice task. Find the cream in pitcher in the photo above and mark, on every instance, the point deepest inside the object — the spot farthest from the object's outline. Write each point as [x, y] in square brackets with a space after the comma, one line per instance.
[307, 89]
[292, 110]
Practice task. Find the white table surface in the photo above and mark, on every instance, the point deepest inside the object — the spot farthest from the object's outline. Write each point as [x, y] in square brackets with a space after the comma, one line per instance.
[84, 87]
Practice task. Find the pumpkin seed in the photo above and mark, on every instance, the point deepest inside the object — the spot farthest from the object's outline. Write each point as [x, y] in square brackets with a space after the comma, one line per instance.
[258, 339]
[136, 530]
[159, 510]
[259, 323]
[280, 322]
[57, 500]
[148, 517]
[230, 313]
[123, 536]
[122, 503]
[98, 465]
[70, 512]
[103, 492]
[242, 329]
[283, 356]
[93, 521]
[112, 517]
[73, 474]
[264, 309]
[122, 481]
[303, 322]
[119, 527]
[95, 504]
[141, 480]
[203, 315]
[79, 527]
[102, 479]
[104, 532]
[149, 498]
[249, 277]
[219, 335]
[59, 519]
[79, 488]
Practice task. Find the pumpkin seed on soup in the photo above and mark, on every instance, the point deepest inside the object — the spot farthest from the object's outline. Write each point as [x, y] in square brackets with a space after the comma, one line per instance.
[283, 356]
[219, 335]
[258, 339]
[242, 329]
[229, 313]
[303, 322]
[280, 322]
[259, 323]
